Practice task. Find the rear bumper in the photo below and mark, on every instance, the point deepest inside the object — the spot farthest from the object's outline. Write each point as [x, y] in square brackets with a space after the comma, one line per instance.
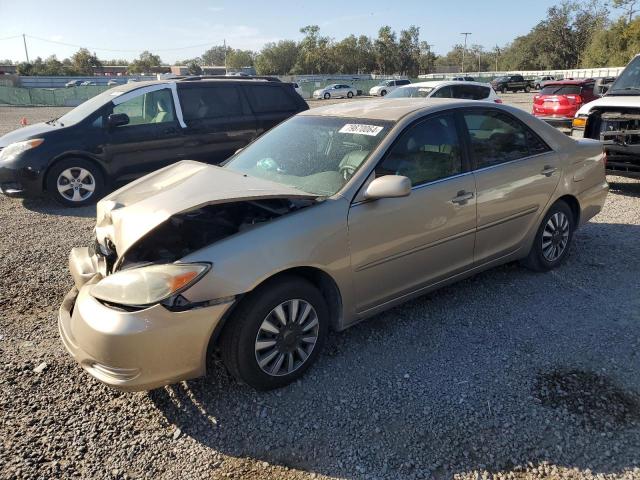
[134, 350]
[592, 200]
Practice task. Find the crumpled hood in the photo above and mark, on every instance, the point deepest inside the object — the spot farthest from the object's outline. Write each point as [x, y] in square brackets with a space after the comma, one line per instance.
[131, 212]
[611, 101]
[26, 133]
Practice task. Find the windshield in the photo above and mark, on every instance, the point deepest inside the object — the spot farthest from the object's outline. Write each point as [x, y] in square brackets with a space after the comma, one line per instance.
[85, 109]
[629, 80]
[411, 92]
[315, 154]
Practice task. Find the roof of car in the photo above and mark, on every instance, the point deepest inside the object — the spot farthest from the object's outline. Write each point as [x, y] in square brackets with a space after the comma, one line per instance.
[127, 87]
[439, 83]
[392, 109]
[577, 81]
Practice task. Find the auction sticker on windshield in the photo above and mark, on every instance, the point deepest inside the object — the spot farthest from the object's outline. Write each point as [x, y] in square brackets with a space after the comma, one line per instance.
[361, 129]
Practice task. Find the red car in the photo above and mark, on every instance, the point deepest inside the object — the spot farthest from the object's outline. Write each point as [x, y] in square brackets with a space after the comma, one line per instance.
[559, 100]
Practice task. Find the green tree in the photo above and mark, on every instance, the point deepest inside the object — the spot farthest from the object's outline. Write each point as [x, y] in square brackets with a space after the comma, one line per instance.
[315, 52]
[629, 7]
[427, 58]
[277, 58]
[386, 51]
[346, 55]
[85, 63]
[613, 46]
[240, 58]
[214, 56]
[193, 68]
[409, 51]
[145, 63]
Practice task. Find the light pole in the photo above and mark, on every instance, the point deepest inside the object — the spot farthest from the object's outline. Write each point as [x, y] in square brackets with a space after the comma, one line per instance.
[464, 49]
[497, 54]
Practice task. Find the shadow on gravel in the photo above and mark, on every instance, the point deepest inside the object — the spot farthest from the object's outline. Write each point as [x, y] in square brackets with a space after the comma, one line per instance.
[503, 372]
[630, 189]
[50, 207]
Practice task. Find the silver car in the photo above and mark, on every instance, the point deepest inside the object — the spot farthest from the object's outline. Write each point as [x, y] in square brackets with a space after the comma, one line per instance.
[333, 216]
[337, 90]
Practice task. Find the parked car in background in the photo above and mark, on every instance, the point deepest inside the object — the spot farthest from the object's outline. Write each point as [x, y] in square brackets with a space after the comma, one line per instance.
[297, 88]
[512, 83]
[387, 86]
[539, 82]
[559, 100]
[337, 90]
[333, 216]
[614, 119]
[130, 130]
[464, 79]
[86, 83]
[447, 89]
[73, 83]
[112, 83]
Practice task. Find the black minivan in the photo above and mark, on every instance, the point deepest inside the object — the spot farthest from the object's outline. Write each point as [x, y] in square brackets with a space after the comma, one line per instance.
[133, 129]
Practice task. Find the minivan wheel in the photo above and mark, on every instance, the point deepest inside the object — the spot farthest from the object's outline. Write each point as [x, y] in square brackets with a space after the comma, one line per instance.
[276, 333]
[75, 182]
[349, 94]
[553, 239]
[327, 96]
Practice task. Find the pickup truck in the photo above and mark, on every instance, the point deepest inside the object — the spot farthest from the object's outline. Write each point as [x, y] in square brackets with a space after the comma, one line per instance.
[614, 119]
[512, 83]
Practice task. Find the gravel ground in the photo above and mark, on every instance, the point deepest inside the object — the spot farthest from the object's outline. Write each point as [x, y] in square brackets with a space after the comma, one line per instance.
[509, 374]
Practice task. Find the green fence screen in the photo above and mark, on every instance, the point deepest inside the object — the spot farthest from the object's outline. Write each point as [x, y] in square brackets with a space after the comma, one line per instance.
[57, 97]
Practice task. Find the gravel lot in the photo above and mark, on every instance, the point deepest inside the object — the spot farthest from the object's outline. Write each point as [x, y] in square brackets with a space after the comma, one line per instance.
[509, 374]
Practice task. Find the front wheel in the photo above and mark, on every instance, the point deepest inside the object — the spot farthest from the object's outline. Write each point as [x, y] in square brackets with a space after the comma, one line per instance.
[75, 182]
[276, 333]
[527, 89]
[553, 239]
[327, 96]
[383, 93]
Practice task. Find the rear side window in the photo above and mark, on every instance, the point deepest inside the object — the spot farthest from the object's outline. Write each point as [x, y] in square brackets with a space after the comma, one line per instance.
[470, 92]
[497, 138]
[560, 90]
[200, 103]
[444, 92]
[268, 98]
[403, 82]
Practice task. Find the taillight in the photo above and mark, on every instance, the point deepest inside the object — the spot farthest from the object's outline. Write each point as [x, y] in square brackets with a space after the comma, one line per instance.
[497, 100]
[604, 157]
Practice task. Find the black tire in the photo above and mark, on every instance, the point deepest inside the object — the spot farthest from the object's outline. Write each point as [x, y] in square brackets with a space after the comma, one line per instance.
[238, 340]
[327, 96]
[349, 94]
[383, 93]
[537, 260]
[527, 89]
[95, 179]
[503, 90]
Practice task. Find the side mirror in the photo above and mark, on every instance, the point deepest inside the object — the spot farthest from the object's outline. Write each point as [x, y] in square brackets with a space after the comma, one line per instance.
[388, 186]
[117, 120]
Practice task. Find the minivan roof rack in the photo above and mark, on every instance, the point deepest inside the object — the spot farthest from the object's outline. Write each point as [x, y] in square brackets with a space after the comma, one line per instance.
[191, 78]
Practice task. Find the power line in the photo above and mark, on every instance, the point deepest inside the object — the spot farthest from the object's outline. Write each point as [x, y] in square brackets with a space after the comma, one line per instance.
[118, 49]
[10, 38]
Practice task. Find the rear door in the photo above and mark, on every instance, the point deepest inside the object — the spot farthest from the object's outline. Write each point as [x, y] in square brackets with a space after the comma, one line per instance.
[152, 139]
[219, 120]
[271, 104]
[516, 174]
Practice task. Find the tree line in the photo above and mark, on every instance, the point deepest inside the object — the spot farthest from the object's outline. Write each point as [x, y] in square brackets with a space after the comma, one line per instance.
[573, 34]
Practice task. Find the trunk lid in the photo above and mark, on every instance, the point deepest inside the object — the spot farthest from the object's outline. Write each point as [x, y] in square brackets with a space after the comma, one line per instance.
[128, 214]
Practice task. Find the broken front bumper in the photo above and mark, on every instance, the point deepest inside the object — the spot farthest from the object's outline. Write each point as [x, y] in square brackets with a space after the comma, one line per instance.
[133, 350]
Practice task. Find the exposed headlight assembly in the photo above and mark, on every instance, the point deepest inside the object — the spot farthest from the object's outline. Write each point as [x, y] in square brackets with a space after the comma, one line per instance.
[12, 150]
[148, 285]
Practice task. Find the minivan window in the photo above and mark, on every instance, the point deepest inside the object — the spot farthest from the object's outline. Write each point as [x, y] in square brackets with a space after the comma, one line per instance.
[269, 98]
[199, 103]
[151, 107]
[85, 109]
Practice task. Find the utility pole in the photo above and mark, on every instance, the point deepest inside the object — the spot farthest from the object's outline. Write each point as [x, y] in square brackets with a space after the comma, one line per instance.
[466, 34]
[497, 54]
[479, 54]
[24, 40]
[224, 43]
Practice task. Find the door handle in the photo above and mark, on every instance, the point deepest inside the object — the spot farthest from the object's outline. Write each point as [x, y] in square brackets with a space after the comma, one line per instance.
[462, 197]
[548, 170]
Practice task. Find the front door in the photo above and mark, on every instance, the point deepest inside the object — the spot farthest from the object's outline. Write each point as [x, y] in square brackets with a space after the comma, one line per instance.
[516, 174]
[218, 119]
[399, 245]
[151, 140]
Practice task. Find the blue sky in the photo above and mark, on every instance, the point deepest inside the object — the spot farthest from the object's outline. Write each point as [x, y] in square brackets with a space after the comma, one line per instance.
[118, 29]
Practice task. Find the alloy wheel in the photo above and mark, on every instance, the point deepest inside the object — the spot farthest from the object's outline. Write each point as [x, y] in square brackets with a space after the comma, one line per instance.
[555, 236]
[76, 184]
[286, 338]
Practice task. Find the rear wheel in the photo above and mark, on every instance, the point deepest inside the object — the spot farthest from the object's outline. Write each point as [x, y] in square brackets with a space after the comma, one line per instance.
[75, 182]
[349, 94]
[276, 333]
[553, 239]
[527, 89]
[503, 90]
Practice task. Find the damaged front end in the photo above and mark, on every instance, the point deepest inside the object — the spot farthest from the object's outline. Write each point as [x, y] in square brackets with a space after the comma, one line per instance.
[619, 130]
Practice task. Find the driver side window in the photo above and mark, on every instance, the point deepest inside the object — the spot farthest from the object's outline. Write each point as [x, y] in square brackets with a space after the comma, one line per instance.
[149, 108]
[425, 152]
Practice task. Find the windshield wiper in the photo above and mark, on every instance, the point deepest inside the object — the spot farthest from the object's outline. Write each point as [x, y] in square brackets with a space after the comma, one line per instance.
[52, 121]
